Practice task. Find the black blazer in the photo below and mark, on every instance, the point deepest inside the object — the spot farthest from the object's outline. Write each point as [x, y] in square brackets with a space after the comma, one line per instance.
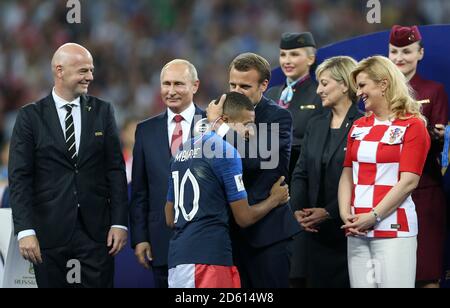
[280, 223]
[306, 179]
[46, 187]
[305, 104]
[149, 186]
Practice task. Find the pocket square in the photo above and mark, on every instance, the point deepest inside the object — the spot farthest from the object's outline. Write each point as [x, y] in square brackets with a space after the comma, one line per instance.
[98, 134]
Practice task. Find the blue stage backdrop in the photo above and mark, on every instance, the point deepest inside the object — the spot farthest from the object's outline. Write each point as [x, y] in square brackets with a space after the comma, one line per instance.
[434, 66]
[128, 272]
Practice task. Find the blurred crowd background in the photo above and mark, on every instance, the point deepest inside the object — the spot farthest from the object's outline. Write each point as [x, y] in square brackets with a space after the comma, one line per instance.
[132, 40]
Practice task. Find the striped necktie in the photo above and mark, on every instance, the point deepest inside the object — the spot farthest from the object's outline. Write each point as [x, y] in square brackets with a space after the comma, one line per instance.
[70, 133]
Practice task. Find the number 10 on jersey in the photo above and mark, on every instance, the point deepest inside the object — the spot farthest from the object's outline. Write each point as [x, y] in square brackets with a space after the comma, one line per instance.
[179, 195]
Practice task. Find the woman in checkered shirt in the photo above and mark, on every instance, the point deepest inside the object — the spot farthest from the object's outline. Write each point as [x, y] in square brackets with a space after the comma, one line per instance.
[386, 152]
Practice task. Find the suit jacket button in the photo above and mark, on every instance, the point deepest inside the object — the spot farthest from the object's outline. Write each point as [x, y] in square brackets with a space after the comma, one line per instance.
[75, 193]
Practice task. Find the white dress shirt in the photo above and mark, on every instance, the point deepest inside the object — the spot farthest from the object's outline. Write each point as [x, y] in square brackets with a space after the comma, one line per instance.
[76, 114]
[188, 117]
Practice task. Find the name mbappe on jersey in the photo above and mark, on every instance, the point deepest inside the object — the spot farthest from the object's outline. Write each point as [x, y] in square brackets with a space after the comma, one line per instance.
[201, 187]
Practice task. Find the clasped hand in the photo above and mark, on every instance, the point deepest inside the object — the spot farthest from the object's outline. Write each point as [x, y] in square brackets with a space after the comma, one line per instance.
[358, 225]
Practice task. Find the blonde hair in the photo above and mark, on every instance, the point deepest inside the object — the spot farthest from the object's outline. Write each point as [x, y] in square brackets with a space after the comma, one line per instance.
[340, 69]
[399, 94]
[311, 51]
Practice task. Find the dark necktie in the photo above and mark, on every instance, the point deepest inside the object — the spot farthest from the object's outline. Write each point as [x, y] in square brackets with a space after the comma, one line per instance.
[70, 133]
[177, 136]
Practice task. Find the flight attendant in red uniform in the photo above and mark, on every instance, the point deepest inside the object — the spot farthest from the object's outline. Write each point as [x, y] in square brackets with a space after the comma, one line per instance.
[406, 50]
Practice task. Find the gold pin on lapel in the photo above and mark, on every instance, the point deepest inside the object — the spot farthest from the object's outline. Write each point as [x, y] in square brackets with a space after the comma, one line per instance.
[98, 134]
[88, 108]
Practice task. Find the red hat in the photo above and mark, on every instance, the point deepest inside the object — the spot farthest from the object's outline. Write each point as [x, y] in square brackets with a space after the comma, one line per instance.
[404, 36]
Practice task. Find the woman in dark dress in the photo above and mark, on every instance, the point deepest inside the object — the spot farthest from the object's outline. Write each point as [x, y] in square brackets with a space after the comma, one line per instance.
[315, 180]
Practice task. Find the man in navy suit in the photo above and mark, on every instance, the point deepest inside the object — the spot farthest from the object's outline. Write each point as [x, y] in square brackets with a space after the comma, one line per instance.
[156, 140]
[67, 183]
[261, 251]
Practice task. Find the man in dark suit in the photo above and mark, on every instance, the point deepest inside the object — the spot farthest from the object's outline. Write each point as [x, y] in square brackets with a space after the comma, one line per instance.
[156, 140]
[67, 180]
[261, 251]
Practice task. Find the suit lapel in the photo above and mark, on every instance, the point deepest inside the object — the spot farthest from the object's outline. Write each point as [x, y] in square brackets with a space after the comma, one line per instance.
[322, 126]
[259, 110]
[162, 135]
[86, 126]
[278, 92]
[199, 115]
[345, 129]
[55, 125]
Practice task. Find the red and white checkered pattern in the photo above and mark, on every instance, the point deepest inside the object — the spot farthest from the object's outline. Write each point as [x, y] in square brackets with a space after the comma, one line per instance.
[201, 276]
[378, 152]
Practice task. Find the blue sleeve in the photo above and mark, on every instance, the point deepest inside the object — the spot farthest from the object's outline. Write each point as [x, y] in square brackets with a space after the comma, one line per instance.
[229, 171]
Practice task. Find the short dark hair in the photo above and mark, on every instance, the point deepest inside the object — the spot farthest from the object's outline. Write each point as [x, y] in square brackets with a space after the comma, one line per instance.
[247, 61]
[235, 103]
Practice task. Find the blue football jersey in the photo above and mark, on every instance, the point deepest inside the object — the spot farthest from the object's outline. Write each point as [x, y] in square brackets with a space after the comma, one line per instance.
[206, 176]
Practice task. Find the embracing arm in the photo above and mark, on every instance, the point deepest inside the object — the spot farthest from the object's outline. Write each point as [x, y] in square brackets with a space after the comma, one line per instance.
[246, 215]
